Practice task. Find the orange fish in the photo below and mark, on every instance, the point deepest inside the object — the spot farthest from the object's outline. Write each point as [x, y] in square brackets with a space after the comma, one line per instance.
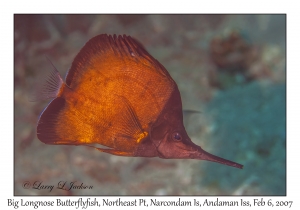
[117, 95]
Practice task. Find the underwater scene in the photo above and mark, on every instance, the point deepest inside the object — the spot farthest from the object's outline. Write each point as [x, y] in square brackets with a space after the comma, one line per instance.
[230, 71]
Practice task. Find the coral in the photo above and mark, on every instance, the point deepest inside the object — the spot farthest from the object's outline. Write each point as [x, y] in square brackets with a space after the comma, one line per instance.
[232, 53]
[238, 61]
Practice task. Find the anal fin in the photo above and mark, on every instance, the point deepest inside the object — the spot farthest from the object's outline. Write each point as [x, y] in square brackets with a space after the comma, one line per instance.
[112, 151]
[116, 152]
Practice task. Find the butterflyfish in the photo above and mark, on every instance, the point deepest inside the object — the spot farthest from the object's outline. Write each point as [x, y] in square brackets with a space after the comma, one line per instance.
[117, 95]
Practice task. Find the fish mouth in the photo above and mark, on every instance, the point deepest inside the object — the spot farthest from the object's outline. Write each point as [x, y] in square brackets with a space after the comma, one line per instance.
[201, 154]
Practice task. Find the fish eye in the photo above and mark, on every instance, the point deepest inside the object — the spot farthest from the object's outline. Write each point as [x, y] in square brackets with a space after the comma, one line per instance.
[176, 136]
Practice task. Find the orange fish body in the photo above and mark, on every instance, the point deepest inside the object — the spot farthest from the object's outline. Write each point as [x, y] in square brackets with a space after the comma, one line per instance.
[117, 95]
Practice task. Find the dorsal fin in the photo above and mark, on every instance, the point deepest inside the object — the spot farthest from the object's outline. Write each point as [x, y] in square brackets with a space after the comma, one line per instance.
[106, 47]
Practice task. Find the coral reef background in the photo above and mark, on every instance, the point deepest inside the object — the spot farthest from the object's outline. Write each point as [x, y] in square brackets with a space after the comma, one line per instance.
[232, 68]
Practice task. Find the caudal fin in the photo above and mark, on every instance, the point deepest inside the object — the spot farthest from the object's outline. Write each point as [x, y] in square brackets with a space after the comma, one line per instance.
[49, 124]
[46, 128]
[48, 86]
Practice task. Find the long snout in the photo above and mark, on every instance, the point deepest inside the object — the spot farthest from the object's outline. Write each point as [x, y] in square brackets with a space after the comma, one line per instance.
[201, 154]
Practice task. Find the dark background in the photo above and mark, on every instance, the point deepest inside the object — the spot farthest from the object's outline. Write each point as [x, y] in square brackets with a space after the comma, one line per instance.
[230, 67]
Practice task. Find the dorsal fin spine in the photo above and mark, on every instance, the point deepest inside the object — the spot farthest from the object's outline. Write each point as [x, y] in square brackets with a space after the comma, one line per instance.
[129, 47]
[120, 47]
[113, 44]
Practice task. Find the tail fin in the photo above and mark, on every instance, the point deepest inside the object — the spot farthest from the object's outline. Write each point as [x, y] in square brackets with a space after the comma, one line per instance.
[49, 86]
[51, 129]
[48, 121]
